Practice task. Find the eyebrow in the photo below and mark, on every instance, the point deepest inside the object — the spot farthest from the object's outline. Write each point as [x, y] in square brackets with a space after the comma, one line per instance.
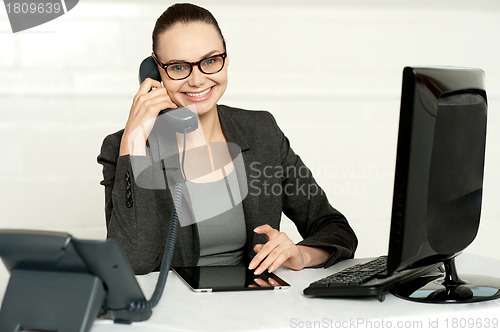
[202, 57]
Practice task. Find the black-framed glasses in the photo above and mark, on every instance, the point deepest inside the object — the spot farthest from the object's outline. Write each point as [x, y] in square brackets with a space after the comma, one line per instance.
[179, 70]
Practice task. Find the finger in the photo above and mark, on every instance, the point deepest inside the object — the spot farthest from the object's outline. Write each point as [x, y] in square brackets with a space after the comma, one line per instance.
[147, 84]
[154, 106]
[141, 99]
[272, 282]
[271, 262]
[274, 240]
[279, 255]
[149, 108]
[264, 251]
[148, 91]
[270, 234]
[155, 92]
[258, 247]
[261, 282]
[255, 262]
[264, 229]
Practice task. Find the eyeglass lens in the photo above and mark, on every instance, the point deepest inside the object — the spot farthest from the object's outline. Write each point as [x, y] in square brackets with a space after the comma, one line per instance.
[181, 70]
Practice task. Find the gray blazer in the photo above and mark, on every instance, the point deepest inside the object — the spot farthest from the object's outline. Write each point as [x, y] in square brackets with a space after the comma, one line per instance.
[139, 218]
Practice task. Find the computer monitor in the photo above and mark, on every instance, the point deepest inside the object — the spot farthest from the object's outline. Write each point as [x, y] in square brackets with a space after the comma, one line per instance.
[439, 181]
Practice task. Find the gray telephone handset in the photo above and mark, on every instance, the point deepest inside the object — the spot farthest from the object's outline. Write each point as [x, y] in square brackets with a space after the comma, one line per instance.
[181, 119]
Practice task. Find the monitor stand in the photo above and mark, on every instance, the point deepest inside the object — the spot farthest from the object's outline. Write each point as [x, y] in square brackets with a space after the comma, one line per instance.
[451, 288]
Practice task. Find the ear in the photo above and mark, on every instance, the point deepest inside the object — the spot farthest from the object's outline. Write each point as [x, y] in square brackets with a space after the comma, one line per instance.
[225, 46]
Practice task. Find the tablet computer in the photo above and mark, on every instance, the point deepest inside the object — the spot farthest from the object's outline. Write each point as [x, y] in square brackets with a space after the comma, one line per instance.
[228, 278]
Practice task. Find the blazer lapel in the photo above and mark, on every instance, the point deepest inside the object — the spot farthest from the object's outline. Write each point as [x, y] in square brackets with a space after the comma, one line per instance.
[251, 201]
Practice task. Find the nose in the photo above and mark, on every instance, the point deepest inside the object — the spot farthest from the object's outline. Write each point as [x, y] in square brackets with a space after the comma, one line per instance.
[197, 78]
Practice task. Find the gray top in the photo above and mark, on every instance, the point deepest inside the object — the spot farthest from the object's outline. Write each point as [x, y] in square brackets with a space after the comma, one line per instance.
[223, 238]
[222, 231]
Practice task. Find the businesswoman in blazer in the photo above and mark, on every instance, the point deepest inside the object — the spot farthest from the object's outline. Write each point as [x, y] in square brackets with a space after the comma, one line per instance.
[190, 53]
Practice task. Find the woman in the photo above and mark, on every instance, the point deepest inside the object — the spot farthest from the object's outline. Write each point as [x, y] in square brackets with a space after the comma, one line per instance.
[190, 53]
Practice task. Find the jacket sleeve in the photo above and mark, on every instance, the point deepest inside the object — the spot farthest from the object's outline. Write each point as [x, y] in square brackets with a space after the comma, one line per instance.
[130, 210]
[306, 204]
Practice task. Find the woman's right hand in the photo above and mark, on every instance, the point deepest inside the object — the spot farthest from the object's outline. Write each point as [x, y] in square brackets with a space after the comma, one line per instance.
[145, 108]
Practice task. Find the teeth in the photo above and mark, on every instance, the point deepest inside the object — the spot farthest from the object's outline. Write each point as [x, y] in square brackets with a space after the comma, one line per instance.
[199, 95]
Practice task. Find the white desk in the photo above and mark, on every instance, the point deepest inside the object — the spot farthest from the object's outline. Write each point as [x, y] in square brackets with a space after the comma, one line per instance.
[181, 309]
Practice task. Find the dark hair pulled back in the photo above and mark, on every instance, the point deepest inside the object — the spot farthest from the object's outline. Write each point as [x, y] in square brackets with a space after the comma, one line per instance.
[182, 13]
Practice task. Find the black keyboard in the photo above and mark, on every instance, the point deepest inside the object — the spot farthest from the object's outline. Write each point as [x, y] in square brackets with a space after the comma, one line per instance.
[356, 274]
[365, 279]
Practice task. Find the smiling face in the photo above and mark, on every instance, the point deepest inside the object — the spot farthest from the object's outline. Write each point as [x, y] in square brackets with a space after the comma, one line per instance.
[192, 42]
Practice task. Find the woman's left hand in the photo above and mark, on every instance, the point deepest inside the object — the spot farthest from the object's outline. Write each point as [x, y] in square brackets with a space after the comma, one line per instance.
[278, 250]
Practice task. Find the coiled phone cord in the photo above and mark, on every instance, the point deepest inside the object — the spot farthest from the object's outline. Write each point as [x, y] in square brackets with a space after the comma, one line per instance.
[167, 256]
[169, 246]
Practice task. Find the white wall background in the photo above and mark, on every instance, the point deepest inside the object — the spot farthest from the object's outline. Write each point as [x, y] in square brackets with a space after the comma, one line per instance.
[330, 72]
